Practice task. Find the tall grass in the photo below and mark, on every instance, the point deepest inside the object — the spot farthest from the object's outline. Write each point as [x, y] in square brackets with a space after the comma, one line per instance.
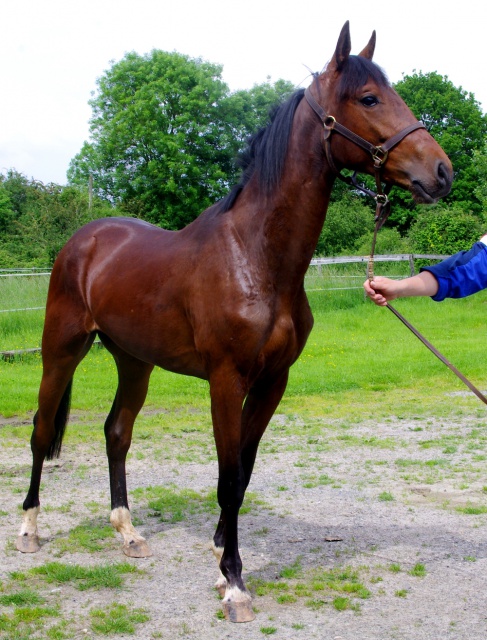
[23, 298]
[21, 328]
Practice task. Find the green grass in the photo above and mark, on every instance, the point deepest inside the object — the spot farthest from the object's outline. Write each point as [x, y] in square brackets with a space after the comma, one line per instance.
[173, 505]
[342, 587]
[418, 571]
[472, 510]
[22, 329]
[268, 631]
[105, 576]
[21, 598]
[353, 357]
[31, 608]
[117, 619]
[386, 496]
[89, 537]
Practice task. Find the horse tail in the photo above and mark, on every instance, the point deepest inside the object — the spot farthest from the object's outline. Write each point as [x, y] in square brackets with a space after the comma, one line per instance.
[60, 422]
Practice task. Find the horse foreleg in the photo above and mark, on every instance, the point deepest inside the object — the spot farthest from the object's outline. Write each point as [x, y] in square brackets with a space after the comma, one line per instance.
[258, 410]
[227, 395]
[131, 393]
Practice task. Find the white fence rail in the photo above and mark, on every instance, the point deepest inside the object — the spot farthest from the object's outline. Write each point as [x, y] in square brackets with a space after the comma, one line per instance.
[316, 262]
[311, 285]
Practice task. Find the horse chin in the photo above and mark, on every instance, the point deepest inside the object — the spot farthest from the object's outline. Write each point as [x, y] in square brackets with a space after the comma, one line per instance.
[420, 195]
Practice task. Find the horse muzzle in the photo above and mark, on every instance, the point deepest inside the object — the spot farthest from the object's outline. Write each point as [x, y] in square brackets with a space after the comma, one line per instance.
[428, 191]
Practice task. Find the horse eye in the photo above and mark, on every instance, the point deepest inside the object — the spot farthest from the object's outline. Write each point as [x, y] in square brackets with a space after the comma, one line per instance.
[369, 101]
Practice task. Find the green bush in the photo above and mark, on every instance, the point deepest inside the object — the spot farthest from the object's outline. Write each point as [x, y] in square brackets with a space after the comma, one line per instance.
[445, 231]
[347, 220]
[388, 241]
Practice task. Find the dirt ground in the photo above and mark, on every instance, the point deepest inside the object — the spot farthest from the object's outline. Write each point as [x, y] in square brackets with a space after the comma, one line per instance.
[371, 497]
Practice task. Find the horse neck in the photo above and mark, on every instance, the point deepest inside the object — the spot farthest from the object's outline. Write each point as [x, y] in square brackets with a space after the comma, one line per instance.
[285, 226]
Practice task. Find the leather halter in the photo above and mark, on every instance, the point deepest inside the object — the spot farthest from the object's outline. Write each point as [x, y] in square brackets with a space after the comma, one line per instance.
[379, 153]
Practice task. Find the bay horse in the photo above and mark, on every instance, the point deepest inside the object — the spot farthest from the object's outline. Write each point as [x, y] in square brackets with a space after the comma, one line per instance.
[223, 299]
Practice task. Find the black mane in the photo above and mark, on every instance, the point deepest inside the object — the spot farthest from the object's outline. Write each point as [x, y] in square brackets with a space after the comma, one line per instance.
[266, 150]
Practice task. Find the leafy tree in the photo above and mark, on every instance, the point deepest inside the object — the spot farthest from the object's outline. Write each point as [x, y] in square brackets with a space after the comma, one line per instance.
[164, 132]
[6, 210]
[480, 168]
[455, 119]
[40, 219]
[246, 111]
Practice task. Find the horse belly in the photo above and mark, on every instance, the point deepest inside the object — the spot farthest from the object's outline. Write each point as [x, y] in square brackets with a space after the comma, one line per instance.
[160, 335]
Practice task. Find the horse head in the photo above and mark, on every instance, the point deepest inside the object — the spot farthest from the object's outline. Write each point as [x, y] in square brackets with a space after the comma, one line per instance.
[379, 133]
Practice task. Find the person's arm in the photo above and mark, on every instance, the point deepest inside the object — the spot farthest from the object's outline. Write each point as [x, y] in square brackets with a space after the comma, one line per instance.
[381, 290]
[458, 276]
[462, 274]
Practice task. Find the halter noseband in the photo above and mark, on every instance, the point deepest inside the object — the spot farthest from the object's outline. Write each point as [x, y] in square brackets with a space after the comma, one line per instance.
[379, 153]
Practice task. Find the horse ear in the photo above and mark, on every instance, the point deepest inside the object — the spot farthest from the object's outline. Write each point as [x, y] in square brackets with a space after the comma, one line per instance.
[368, 51]
[344, 46]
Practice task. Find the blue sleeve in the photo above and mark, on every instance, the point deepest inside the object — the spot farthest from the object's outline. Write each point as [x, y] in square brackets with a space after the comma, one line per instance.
[462, 274]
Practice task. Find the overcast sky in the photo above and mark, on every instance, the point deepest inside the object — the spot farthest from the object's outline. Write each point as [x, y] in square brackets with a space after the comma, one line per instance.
[52, 52]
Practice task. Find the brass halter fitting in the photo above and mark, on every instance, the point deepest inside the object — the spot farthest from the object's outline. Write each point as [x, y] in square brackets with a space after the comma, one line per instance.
[379, 156]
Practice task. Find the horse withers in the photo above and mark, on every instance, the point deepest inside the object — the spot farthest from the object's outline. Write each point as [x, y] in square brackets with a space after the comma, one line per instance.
[222, 299]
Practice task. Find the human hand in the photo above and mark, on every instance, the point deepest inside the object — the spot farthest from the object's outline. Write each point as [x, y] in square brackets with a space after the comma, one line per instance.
[380, 290]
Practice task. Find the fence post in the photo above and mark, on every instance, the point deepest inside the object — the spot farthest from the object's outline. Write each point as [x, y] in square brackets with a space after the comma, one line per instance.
[411, 264]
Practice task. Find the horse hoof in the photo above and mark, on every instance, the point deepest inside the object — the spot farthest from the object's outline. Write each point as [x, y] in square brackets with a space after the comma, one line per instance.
[137, 549]
[238, 611]
[28, 543]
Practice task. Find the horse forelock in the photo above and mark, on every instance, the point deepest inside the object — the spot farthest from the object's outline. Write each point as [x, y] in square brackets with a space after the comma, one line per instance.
[356, 72]
[265, 153]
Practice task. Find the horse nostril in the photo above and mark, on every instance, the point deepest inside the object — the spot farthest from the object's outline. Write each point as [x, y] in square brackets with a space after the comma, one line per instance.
[444, 176]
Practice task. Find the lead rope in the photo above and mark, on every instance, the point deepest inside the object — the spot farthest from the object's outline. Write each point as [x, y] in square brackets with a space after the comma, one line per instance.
[382, 213]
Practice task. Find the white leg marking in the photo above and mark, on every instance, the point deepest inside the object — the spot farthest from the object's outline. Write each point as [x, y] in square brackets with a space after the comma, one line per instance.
[122, 522]
[221, 583]
[29, 522]
[234, 594]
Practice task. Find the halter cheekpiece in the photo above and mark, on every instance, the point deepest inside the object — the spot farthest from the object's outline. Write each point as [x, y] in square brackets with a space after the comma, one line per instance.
[379, 153]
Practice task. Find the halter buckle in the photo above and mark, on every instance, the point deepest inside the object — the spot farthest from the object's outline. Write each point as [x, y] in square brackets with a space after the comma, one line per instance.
[379, 156]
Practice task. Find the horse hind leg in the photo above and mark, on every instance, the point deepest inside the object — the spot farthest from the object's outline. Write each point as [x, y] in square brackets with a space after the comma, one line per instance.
[133, 382]
[50, 423]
